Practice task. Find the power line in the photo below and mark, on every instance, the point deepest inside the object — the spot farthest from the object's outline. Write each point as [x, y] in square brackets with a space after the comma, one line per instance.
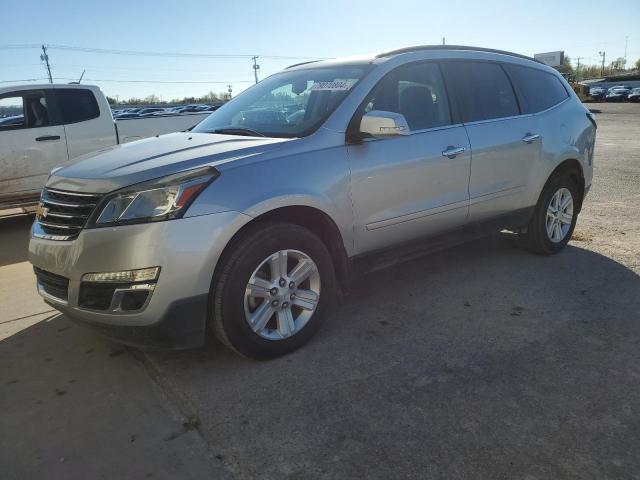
[226, 82]
[23, 80]
[19, 46]
[168, 54]
[155, 81]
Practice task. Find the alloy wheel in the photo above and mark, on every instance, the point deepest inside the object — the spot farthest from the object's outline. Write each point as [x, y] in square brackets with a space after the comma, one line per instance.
[282, 294]
[559, 215]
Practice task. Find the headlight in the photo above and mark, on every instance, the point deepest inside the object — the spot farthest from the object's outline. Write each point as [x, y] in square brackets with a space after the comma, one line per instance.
[161, 199]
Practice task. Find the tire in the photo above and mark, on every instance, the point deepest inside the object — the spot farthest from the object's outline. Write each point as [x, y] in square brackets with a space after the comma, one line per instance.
[232, 304]
[538, 239]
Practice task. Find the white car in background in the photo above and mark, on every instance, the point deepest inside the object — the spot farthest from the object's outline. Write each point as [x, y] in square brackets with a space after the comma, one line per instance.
[45, 126]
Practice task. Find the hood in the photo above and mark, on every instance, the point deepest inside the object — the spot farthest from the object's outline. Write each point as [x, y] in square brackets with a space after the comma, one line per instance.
[123, 165]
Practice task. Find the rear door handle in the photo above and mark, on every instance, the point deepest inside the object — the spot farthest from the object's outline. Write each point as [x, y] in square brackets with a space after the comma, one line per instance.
[452, 152]
[529, 138]
[46, 138]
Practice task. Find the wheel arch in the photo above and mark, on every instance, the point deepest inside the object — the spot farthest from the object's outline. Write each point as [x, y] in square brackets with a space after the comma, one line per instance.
[573, 168]
[311, 218]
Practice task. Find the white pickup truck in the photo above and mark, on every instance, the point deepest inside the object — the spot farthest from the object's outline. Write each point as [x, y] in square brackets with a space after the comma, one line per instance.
[43, 126]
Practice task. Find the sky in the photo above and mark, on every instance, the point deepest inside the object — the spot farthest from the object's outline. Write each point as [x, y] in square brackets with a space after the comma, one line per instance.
[298, 30]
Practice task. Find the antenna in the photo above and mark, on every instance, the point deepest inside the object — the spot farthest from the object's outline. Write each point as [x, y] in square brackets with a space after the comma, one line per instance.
[80, 79]
[45, 58]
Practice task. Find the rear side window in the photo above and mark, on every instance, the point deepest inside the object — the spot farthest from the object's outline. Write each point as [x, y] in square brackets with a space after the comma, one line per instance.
[76, 105]
[483, 90]
[537, 90]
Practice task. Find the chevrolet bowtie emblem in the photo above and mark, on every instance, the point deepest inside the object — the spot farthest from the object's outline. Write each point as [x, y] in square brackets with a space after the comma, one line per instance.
[42, 211]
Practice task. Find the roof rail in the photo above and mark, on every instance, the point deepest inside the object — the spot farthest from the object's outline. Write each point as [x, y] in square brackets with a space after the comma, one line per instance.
[452, 47]
[302, 63]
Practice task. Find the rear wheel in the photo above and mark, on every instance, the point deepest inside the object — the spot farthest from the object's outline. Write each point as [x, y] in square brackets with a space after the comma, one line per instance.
[272, 290]
[554, 218]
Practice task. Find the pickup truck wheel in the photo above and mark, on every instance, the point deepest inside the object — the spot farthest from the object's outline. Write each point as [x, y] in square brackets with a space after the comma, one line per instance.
[554, 218]
[272, 290]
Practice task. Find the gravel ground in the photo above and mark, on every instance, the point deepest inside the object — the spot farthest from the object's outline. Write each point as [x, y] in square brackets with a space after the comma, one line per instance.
[480, 362]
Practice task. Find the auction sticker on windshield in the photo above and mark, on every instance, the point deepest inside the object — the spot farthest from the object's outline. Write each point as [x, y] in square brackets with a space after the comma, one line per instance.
[335, 86]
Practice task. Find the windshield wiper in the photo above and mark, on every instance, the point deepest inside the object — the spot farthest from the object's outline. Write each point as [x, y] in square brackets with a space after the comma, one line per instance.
[238, 131]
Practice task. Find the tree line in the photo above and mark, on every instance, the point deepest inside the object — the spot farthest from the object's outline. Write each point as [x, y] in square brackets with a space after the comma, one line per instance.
[153, 99]
[580, 71]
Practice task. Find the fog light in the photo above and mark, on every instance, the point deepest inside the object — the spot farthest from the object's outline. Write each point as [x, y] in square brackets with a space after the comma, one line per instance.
[124, 276]
[133, 300]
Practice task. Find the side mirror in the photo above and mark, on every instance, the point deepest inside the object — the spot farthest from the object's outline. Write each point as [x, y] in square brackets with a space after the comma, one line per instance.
[379, 123]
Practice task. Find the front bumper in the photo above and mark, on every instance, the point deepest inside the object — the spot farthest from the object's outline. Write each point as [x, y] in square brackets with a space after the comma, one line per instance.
[186, 250]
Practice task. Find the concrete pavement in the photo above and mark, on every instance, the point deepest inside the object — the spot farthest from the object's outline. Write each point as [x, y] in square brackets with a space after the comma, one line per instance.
[76, 406]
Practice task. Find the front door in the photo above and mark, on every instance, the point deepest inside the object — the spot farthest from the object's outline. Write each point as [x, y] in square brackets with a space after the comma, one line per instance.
[405, 187]
[29, 146]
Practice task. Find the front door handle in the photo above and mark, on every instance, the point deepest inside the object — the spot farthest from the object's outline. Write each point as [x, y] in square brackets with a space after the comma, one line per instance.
[46, 138]
[452, 152]
[529, 138]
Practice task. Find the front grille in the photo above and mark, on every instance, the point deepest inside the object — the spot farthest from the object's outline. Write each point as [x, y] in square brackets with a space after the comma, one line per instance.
[63, 214]
[54, 285]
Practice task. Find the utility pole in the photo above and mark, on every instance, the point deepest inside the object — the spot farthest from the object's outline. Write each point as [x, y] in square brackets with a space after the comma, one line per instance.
[442, 40]
[256, 67]
[230, 90]
[578, 66]
[626, 41]
[45, 58]
[603, 55]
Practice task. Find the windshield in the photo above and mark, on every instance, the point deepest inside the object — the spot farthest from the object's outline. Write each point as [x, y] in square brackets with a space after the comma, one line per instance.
[289, 104]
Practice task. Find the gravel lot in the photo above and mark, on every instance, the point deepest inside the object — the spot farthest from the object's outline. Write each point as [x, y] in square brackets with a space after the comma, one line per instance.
[480, 362]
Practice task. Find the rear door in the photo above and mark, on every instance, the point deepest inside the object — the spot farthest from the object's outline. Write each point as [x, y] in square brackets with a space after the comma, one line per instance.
[404, 187]
[30, 144]
[87, 128]
[505, 145]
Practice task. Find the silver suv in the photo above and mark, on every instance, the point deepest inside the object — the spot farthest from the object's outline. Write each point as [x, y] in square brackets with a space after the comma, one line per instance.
[247, 225]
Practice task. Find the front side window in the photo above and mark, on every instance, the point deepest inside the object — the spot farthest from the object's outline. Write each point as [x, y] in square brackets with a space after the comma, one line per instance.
[289, 104]
[11, 113]
[28, 110]
[76, 105]
[538, 90]
[417, 92]
[483, 90]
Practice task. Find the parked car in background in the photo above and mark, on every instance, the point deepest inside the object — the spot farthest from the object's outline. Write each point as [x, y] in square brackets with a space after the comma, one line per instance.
[617, 94]
[598, 93]
[634, 95]
[244, 226]
[149, 111]
[51, 125]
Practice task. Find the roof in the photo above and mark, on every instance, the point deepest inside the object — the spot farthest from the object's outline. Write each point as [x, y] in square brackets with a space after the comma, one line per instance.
[419, 48]
[44, 86]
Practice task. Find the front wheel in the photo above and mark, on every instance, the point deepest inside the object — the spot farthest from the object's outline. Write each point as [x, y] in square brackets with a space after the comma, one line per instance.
[554, 218]
[272, 290]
